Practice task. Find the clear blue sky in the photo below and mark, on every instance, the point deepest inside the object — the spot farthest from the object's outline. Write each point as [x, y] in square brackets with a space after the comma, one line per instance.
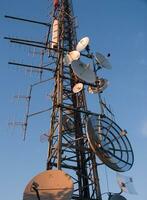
[116, 26]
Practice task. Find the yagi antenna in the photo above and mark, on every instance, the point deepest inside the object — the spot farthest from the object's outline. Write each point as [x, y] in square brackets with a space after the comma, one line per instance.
[14, 124]
[33, 52]
[18, 97]
[28, 105]
[30, 66]
[44, 137]
[33, 71]
[28, 114]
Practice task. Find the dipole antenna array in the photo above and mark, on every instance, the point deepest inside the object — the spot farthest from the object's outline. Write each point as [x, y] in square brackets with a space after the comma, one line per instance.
[76, 135]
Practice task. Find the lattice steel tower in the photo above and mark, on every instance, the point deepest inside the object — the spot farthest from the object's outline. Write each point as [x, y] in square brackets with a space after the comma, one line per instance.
[76, 135]
[68, 145]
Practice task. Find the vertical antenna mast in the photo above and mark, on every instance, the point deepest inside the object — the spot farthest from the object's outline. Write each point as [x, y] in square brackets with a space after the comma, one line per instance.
[68, 148]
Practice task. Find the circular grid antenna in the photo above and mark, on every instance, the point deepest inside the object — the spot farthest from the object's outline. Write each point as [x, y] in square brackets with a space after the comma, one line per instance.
[82, 44]
[109, 143]
[102, 61]
[50, 184]
[83, 71]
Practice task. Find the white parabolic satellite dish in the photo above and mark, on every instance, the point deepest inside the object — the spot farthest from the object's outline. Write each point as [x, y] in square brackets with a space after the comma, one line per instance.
[83, 71]
[82, 44]
[50, 184]
[77, 87]
[73, 55]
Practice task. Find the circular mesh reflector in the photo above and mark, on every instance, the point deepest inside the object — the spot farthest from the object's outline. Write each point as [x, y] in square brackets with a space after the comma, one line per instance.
[110, 143]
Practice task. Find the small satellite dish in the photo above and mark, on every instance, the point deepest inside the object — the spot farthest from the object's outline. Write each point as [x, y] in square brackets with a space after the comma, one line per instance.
[105, 139]
[102, 61]
[101, 86]
[83, 71]
[126, 183]
[116, 197]
[82, 44]
[77, 87]
[73, 55]
[50, 184]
